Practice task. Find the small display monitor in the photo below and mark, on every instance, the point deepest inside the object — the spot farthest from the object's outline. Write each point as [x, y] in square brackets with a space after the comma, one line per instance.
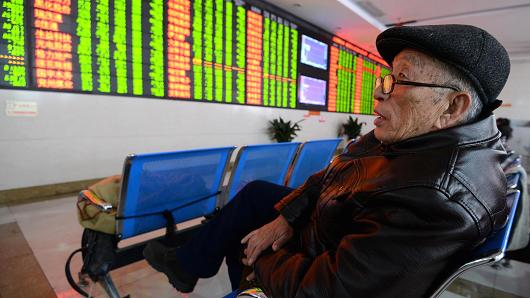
[312, 91]
[314, 52]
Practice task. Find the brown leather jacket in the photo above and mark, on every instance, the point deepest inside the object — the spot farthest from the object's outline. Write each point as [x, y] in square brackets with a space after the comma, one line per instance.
[387, 220]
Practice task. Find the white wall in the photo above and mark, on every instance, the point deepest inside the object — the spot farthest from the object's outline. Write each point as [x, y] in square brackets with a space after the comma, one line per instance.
[516, 96]
[516, 93]
[77, 136]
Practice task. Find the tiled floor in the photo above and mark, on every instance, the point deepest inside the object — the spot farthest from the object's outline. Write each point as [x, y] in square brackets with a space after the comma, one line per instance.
[43, 234]
[21, 275]
[52, 232]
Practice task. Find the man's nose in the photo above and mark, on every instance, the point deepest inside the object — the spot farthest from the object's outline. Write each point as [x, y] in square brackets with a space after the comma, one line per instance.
[378, 93]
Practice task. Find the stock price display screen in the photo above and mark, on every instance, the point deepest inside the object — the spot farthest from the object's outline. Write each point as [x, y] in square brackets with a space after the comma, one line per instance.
[352, 78]
[13, 57]
[212, 50]
[226, 51]
[106, 46]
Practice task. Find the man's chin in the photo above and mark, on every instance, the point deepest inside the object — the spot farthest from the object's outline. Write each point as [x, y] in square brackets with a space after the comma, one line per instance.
[382, 136]
[378, 134]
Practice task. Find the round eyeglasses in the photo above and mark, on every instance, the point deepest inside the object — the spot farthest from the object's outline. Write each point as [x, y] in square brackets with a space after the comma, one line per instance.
[387, 82]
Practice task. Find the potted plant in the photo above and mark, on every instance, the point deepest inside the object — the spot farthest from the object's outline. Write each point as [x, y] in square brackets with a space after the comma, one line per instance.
[352, 128]
[282, 131]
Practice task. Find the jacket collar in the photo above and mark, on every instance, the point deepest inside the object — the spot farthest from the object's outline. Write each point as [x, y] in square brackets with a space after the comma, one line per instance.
[483, 130]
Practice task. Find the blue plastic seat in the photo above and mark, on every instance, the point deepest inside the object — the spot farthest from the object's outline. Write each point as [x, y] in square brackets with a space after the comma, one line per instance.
[350, 143]
[513, 160]
[269, 162]
[512, 180]
[232, 294]
[312, 157]
[490, 251]
[186, 183]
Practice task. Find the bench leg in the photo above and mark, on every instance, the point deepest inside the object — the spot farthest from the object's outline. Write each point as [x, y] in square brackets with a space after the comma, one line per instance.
[109, 287]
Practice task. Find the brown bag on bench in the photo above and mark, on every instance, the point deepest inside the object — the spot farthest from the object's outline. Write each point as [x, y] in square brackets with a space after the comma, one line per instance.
[96, 207]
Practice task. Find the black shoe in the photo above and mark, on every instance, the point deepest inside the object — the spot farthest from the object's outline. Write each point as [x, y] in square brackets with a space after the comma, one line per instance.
[163, 259]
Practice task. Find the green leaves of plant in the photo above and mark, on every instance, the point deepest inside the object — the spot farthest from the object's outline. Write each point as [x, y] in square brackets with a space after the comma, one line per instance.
[282, 131]
[352, 128]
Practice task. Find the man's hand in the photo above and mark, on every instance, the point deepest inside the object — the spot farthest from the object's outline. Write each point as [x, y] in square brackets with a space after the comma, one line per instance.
[275, 233]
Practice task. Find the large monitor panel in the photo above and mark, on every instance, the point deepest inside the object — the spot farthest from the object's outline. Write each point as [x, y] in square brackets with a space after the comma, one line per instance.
[314, 52]
[312, 91]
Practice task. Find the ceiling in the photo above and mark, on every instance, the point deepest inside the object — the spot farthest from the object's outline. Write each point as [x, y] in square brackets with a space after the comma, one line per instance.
[507, 20]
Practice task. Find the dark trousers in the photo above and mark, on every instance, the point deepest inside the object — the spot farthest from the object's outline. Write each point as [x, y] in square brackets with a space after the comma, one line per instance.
[250, 209]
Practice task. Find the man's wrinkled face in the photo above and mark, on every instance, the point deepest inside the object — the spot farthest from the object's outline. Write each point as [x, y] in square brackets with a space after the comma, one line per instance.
[409, 111]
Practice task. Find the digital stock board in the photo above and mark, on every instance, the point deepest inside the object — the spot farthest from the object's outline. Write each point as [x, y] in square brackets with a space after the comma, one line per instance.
[352, 78]
[13, 51]
[224, 51]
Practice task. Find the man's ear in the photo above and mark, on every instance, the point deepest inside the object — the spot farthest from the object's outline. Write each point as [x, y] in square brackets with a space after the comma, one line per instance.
[459, 105]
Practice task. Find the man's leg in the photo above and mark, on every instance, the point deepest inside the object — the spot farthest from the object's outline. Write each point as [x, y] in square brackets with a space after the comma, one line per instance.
[250, 209]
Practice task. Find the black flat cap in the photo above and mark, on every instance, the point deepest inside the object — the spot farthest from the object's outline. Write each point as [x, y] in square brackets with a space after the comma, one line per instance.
[470, 49]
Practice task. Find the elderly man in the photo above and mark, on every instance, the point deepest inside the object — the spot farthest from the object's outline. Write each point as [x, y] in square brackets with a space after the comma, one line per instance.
[404, 204]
